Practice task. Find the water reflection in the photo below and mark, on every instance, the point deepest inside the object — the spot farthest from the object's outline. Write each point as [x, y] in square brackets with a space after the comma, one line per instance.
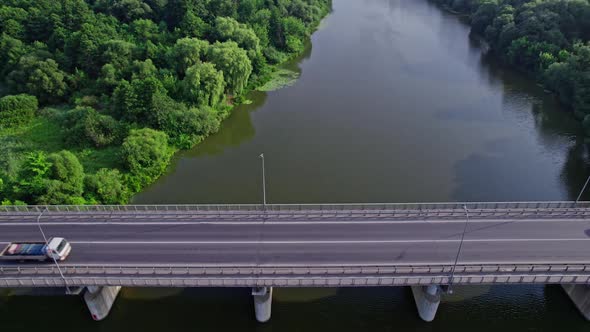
[235, 130]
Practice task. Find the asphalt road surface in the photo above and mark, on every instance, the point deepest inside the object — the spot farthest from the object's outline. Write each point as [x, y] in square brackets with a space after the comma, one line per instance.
[292, 242]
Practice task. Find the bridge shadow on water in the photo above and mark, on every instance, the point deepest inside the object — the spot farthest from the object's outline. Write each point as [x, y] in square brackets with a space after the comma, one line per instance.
[475, 308]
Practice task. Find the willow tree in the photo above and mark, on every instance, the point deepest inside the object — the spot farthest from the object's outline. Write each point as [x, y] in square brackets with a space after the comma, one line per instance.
[233, 61]
[203, 85]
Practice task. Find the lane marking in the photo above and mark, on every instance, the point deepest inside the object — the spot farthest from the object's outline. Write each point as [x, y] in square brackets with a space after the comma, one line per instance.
[329, 241]
[326, 241]
[322, 241]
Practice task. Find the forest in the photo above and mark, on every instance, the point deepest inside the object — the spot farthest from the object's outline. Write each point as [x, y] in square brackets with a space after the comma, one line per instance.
[547, 39]
[97, 95]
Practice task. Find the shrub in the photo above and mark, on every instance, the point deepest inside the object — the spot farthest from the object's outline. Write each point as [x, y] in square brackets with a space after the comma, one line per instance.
[17, 110]
[85, 126]
[146, 154]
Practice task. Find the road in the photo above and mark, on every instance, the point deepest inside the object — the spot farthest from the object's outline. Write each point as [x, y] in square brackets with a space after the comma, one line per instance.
[292, 240]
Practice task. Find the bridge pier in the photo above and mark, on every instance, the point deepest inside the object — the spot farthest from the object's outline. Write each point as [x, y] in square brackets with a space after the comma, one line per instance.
[580, 295]
[262, 303]
[100, 299]
[427, 300]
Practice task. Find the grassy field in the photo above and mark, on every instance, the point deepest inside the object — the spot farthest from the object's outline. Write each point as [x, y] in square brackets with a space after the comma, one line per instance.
[45, 133]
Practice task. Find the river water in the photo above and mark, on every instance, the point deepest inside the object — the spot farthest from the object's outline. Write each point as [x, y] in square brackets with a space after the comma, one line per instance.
[396, 102]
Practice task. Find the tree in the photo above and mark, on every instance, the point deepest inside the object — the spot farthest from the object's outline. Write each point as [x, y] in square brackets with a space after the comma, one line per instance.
[85, 126]
[143, 69]
[126, 10]
[145, 153]
[188, 126]
[294, 33]
[118, 53]
[227, 28]
[84, 47]
[137, 101]
[17, 110]
[30, 181]
[203, 85]
[38, 77]
[233, 62]
[66, 177]
[11, 49]
[106, 187]
[145, 30]
[484, 15]
[187, 52]
[193, 25]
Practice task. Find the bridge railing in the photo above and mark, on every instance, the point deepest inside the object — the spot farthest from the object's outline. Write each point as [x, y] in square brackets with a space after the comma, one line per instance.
[297, 276]
[295, 207]
[303, 270]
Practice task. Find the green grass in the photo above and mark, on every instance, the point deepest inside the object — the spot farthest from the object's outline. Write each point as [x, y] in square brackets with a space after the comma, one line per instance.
[95, 159]
[45, 133]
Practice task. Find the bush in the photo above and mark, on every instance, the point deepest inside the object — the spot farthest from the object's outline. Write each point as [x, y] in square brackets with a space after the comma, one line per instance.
[188, 126]
[17, 110]
[106, 187]
[85, 126]
[146, 154]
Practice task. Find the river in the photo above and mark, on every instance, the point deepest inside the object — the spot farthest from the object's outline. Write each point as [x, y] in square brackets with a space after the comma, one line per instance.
[396, 102]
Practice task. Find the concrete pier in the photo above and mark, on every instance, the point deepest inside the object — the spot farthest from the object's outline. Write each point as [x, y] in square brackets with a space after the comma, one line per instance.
[100, 300]
[580, 295]
[427, 300]
[262, 303]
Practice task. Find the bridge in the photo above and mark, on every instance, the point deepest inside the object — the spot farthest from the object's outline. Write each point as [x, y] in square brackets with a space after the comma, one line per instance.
[428, 246]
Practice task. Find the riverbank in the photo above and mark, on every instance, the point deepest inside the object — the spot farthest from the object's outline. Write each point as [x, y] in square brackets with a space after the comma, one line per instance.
[97, 143]
[554, 53]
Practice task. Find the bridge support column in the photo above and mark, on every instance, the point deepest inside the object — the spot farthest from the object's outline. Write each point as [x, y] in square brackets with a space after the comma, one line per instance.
[100, 300]
[262, 303]
[580, 295]
[427, 300]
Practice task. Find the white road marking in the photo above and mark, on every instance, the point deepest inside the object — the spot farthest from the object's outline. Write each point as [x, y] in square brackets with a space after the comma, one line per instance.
[329, 241]
[323, 242]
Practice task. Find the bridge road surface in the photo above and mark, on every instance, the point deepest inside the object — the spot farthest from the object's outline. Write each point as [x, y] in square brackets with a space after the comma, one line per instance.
[175, 239]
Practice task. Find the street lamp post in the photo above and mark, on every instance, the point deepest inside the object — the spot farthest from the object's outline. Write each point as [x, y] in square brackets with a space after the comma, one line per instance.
[263, 181]
[583, 189]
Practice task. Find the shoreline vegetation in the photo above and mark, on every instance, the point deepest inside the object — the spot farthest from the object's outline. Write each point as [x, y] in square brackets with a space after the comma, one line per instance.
[546, 39]
[97, 95]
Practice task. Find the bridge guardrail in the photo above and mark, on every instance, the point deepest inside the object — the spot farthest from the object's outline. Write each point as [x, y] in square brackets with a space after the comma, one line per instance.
[294, 207]
[294, 276]
[505, 211]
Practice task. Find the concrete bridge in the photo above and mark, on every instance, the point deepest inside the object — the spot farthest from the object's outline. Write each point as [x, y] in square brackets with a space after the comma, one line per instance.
[430, 247]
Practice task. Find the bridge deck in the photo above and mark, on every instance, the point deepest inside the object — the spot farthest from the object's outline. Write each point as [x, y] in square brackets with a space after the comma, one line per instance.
[305, 245]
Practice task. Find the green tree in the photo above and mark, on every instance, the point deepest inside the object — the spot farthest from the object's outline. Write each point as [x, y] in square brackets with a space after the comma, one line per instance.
[85, 126]
[65, 181]
[11, 49]
[143, 69]
[41, 78]
[31, 179]
[233, 61]
[107, 186]
[227, 28]
[192, 25]
[145, 153]
[17, 110]
[203, 85]
[138, 101]
[187, 52]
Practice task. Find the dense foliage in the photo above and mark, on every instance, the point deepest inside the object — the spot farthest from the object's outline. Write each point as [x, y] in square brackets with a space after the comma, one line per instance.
[17, 110]
[546, 38]
[141, 78]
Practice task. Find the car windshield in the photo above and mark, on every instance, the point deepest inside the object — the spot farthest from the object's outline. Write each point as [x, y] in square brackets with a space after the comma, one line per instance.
[61, 246]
